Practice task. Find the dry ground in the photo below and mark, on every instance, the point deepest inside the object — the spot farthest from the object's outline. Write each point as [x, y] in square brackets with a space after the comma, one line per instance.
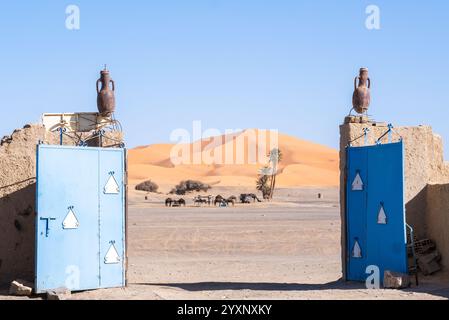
[288, 249]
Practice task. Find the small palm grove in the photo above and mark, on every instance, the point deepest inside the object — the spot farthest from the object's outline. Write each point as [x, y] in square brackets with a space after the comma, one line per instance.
[266, 180]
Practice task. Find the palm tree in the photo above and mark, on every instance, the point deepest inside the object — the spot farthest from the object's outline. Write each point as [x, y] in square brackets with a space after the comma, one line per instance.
[262, 182]
[275, 157]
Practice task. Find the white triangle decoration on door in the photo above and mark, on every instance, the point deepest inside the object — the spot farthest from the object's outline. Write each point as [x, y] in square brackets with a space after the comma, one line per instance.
[111, 186]
[356, 251]
[382, 216]
[70, 221]
[112, 256]
[357, 184]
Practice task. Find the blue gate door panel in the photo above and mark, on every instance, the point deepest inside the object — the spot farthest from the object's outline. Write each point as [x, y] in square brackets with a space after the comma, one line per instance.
[375, 213]
[387, 240]
[76, 216]
[66, 180]
[356, 218]
[112, 219]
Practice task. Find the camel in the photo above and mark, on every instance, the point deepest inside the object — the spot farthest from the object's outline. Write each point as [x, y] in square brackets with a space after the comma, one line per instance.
[221, 200]
[169, 202]
[199, 200]
[248, 198]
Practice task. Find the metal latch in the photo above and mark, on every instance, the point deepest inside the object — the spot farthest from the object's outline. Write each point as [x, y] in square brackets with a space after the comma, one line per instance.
[47, 225]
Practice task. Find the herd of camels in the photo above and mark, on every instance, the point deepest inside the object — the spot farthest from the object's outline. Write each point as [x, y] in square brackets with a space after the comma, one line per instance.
[209, 200]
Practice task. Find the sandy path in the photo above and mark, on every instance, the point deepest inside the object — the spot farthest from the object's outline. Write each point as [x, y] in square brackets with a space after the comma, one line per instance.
[286, 250]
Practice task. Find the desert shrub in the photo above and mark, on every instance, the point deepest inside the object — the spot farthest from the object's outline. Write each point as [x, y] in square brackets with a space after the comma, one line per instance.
[188, 186]
[148, 186]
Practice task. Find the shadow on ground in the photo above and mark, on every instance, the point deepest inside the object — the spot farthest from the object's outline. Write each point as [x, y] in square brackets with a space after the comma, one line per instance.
[441, 290]
[221, 286]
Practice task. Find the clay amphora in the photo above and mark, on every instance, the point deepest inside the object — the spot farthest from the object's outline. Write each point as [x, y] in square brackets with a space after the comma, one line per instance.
[362, 96]
[106, 95]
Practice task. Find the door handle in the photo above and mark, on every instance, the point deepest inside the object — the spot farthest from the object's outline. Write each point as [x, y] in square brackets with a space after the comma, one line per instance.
[47, 225]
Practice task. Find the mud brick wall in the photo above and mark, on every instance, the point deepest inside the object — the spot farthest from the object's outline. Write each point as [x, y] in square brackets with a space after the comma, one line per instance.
[17, 197]
[424, 166]
[437, 219]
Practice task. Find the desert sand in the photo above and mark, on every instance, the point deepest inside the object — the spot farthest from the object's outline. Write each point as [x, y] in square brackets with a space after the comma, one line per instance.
[303, 164]
[285, 249]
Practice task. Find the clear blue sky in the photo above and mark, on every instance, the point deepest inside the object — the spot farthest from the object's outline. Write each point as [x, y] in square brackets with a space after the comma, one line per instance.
[281, 64]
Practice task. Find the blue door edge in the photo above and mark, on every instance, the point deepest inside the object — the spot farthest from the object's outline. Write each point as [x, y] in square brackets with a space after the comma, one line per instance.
[346, 221]
[404, 207]
[380, 145]
[36, 221]
[124, 213]
[125, 255]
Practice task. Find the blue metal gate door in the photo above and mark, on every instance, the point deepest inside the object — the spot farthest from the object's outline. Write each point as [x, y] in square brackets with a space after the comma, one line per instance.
[356, 215]
[80, 223]
[67, 219]
[376, 234]
[112, 219]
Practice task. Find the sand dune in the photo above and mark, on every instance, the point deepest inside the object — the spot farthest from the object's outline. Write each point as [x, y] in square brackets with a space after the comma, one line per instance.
[234, 160]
